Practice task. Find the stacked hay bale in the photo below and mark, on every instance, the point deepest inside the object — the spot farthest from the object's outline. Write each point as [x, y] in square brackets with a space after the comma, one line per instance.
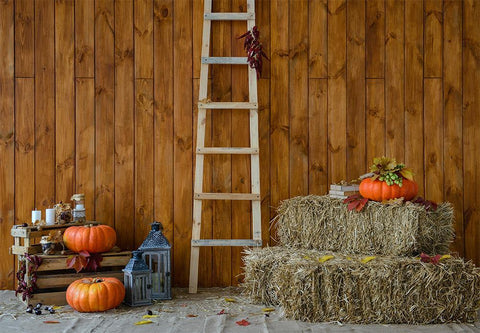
[360, 267]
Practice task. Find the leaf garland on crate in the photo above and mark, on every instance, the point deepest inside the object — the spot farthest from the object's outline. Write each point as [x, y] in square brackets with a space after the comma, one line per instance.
[429, 205]
[26, 288]
[355, 202]
[83, 260]
[254, 49]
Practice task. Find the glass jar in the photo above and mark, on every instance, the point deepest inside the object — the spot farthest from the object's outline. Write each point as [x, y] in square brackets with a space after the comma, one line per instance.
[78, 210]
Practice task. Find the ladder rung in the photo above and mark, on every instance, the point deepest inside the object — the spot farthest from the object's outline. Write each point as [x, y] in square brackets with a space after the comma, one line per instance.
[229, 16]
[226, 242]
[229, 150]
[225, 60]
[228, 105]
[227, 196]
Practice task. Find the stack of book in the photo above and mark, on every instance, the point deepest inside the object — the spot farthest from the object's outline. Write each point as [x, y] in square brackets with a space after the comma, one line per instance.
[343, 191]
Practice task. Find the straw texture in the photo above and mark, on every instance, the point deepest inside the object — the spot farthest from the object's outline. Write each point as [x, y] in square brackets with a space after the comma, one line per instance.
[361, 289]
[324, 223]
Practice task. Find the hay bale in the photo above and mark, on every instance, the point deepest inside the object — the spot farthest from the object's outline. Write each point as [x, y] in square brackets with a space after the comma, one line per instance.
[324, 223]
[383, 290]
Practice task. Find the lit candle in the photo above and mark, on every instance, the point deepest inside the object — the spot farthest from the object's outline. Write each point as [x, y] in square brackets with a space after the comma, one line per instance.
[50, 216]
[36, 215]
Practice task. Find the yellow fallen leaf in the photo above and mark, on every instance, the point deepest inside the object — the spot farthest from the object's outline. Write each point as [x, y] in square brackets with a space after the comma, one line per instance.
[268, 309]
[307, 257]
[325, 258]
[229, 300]
[445, 256]
[149, 316]
[56, 307]
[348, 258]
[143, 322]
[367, 259]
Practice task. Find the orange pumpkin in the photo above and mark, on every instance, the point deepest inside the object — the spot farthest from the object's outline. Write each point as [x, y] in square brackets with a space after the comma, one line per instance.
[94, 239]
[379, 190]
[95, 294]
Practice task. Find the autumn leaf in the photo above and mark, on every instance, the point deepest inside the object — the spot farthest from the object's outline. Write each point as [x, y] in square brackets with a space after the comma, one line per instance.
[268, 309]
[243, 322]
[428, 259]
[221, 312]
[356, 202]
[407, 173]
[51, 322]
[76, 262]
[84, 261]
[144, 322]
[231, 300]
[192, 315]
[367, 259]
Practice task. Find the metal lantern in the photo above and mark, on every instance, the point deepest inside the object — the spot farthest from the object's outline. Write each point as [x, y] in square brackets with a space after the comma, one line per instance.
[137, 281]
[156, 253]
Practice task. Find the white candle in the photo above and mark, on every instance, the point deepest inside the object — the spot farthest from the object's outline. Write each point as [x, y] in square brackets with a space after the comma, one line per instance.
[50, 216]
[36, 215]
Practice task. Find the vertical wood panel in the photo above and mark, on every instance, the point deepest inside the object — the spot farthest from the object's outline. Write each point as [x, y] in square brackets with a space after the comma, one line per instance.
[84, 38]
[452, 103]
[471, 126]
[355, 89]
[85, 143]
[433, 18]
[317, 133]
[197, 36]
[64, 100]
[143, 39]
[44, 104]
[375, 38]
[241, 210]
[24, 149]
[298, 67]
[124, 126]
[375, 122]
[434, 137]
[414, 120]
[24, 38]
[337, 91]
[279, 113]
[104, 111]
[262, 20]
[143, 158]
[163, 114]
[183, 192]
[394, 79]
[317, 10]
[264, 144]
[7, 129]
[222, 129]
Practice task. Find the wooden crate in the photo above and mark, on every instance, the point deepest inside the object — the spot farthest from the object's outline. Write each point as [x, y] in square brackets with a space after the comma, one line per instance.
[27, 239]
[53, 277]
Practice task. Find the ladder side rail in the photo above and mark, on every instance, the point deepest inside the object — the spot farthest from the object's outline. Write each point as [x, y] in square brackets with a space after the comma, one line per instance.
[198, 185]
[254, 159]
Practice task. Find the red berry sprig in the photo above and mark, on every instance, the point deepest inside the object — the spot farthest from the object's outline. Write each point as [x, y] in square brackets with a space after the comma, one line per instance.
[254, 49]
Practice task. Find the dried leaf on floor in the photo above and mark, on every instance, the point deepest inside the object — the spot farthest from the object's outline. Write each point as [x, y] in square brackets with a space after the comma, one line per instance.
[144, 322]
[243, 322]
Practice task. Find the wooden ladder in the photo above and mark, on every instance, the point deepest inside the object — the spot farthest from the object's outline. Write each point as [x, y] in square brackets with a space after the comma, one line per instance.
[201, 150]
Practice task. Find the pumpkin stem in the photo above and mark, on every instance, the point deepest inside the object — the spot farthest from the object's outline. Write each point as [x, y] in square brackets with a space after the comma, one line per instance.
[97, 280]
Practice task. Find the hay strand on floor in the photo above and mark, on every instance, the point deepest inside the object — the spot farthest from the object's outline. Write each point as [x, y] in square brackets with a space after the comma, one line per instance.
[383, 290]
[324, 223]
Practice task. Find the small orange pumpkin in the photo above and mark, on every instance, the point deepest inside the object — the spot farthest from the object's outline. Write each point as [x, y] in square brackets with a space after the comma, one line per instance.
[94, 239]
[95, 294]
[379, 190]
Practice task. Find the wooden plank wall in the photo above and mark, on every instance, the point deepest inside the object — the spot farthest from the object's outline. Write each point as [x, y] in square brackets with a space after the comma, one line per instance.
[99, 97]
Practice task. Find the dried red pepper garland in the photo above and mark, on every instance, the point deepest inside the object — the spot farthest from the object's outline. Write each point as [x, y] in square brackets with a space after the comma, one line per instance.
[254, 49]
[23, 287]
